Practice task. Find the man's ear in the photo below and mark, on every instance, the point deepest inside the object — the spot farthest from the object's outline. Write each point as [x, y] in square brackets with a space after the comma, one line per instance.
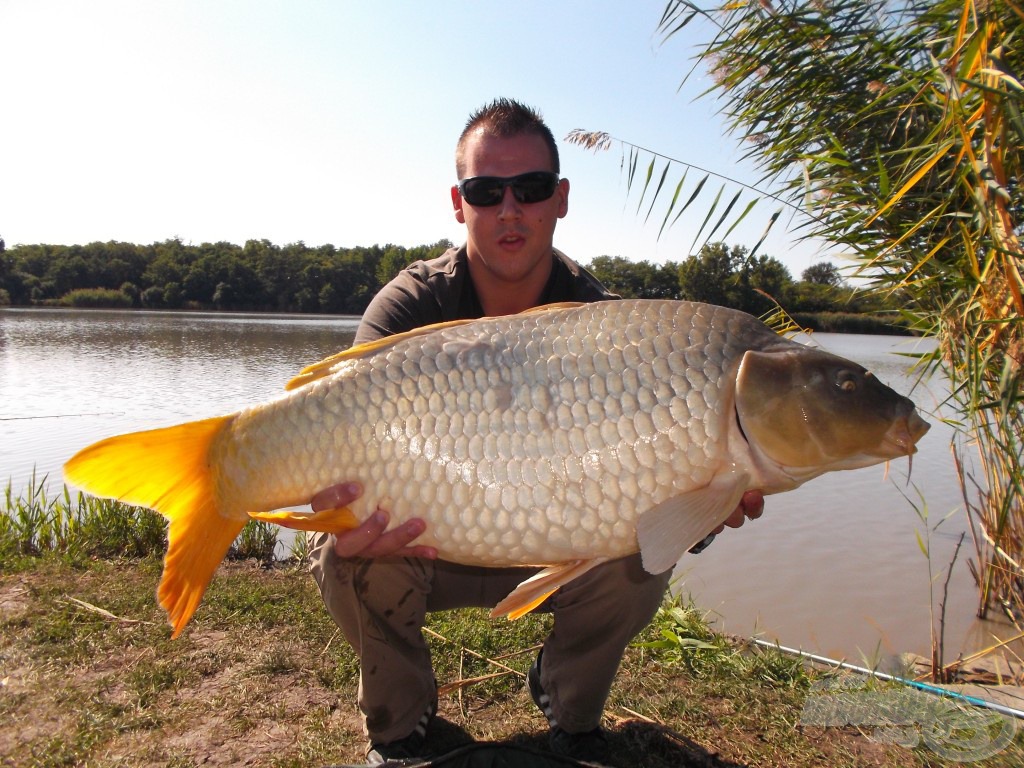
[457, 204]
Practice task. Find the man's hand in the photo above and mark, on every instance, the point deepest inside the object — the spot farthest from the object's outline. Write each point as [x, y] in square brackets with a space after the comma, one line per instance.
[371, 538]
[751, 505]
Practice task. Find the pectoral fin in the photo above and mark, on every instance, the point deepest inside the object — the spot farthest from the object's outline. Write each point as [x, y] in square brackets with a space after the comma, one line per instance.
[328, 520]
[668, 530]
[539, 587]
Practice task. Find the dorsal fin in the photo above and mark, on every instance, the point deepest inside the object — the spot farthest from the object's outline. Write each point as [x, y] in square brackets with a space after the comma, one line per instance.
[323, 368]
[554, 306]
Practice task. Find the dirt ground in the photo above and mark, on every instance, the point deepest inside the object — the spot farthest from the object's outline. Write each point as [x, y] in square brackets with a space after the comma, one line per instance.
[89, 677]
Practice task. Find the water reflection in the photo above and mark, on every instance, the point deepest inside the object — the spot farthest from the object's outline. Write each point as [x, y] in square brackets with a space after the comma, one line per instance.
[70, 377]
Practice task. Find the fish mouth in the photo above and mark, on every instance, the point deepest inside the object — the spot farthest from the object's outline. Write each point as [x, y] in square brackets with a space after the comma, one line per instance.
[901, 438]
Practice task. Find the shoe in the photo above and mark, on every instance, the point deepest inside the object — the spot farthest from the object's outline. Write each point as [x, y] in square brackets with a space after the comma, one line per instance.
[589, 746]
[540, 698]
[405, 751]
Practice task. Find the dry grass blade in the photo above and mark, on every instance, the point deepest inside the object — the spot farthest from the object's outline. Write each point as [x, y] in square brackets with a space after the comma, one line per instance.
[495, 662]
[104, 612]
[634, 713]
[465, 682]
[986, 651]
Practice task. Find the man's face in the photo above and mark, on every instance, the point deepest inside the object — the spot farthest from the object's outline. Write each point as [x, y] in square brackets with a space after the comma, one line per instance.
[511, 240]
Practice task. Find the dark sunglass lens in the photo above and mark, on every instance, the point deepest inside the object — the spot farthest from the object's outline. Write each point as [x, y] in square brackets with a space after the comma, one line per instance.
[534, 187]
[483, 191]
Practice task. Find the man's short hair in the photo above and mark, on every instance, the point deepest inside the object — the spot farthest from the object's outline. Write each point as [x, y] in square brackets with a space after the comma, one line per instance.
[504, 118]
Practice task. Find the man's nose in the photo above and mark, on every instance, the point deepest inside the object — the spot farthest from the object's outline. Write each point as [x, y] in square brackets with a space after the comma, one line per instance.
[509, 206]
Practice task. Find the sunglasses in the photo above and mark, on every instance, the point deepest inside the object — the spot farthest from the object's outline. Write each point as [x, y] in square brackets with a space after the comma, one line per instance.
[485, 191]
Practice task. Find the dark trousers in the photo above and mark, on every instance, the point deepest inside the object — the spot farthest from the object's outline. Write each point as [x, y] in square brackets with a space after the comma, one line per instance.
[381, 604]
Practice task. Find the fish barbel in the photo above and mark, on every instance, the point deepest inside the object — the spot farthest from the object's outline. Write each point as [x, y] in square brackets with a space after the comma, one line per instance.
[560, 437]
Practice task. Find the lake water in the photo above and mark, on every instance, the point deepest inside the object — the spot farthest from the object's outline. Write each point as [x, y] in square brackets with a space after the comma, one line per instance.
[833, 567]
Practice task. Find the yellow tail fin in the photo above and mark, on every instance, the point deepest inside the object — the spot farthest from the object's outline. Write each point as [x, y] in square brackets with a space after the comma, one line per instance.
[167, 470]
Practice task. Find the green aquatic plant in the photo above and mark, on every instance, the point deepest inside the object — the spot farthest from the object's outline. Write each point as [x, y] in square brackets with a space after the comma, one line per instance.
[33, 523]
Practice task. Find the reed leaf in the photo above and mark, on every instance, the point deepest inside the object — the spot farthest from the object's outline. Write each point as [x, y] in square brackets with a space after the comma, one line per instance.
[647, 183]
[672, 203]
[657, 191]
[602, 141]
[843, 102]
[897, 130]
[724, 216]
[707, 217]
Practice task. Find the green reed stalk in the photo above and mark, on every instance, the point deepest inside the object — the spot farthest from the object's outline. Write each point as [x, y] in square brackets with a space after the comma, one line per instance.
[32, 523]
[898, 128]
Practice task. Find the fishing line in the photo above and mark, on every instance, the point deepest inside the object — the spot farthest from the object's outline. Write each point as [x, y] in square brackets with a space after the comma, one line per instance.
[61, 416]
[934, 689]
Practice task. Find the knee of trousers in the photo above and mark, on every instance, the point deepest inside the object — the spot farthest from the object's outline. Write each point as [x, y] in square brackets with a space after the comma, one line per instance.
[619, 593]
[334, 577]
[354, 585]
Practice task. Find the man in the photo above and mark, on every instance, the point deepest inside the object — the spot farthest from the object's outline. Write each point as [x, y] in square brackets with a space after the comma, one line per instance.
[378, 584]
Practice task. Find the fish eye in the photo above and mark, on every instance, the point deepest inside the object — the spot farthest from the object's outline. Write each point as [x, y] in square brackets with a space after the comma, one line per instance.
[847, 381]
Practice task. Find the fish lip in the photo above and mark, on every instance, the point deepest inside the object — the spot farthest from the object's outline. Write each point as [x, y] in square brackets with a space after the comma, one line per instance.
[895, 448]
[901, 438]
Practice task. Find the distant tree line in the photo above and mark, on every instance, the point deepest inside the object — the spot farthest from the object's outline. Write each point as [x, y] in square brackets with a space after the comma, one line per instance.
[821, 300]
[259, 276]
[262, 276]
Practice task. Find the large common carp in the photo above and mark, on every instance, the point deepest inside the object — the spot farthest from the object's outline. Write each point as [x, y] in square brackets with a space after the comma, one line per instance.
[560, 437]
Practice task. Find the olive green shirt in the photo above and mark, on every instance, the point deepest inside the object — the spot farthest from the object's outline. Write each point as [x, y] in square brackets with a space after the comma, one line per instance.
[440, 290]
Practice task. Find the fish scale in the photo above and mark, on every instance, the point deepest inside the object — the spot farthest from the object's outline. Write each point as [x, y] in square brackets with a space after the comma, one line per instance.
[561, 437]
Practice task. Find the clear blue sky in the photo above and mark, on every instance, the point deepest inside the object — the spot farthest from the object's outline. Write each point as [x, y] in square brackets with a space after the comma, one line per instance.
[334, 122]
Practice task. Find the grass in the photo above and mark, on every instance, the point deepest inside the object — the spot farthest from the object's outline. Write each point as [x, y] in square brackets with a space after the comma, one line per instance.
[79, 525]
[89, 676]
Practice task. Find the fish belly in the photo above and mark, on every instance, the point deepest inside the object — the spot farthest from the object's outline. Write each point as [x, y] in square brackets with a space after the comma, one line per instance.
[530, 439]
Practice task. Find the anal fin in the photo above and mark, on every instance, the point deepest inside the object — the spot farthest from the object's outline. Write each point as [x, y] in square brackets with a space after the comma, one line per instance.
[539, 587]
[328, 520]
